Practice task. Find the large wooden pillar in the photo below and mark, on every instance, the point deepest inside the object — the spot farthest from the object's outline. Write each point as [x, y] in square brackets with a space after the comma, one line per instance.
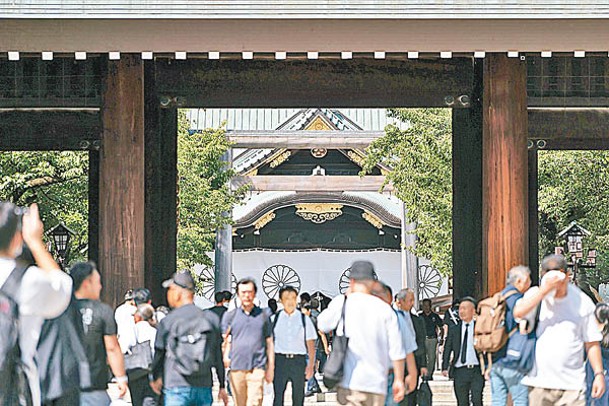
[93, 233]
[161, 165]
[504, 164]
[121, 184]
[467, 193]
[534, 215]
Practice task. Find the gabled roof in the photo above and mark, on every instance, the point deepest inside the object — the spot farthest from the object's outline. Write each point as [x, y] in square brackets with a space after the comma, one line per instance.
[298, 9]
[575, 229]
[298, 122]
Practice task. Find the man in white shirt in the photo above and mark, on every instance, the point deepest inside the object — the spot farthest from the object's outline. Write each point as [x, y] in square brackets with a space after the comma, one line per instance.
[123, 315]
[295, 336]
[565, 328]
[466, 369]
[45, 290]
[372, 328]
[385, 293]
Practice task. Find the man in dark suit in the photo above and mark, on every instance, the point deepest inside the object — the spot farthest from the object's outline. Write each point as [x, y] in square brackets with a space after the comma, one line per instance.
[405, 302]
[465, 365]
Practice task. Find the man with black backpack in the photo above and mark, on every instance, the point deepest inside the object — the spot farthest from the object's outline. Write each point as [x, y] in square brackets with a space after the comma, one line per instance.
[187, 346]
[295, 337]
[28, 296]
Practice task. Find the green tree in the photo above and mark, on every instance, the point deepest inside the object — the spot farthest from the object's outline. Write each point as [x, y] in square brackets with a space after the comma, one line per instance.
[205, 198]
[421, 161]
[58, 182]
[572, 186]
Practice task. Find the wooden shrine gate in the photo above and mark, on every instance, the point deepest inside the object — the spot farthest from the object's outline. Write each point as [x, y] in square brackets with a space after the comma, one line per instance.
[130, 105]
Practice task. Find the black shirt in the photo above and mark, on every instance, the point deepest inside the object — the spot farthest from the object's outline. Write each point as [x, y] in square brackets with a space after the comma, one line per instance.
[165, 366]
[451, 320]
[97, 322]
[432, 321]
[218, 311]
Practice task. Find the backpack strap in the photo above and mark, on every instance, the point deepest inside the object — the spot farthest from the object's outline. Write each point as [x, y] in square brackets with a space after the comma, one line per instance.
[11, 285]
[304, 330]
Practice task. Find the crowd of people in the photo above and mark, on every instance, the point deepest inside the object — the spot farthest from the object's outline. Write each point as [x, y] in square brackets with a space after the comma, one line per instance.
[58, 341]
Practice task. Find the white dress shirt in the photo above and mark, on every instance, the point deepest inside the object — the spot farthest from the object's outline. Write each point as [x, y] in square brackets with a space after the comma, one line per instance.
[289, 334]
[470, 358]
[373, 331]
[42, 295]
[125, 326]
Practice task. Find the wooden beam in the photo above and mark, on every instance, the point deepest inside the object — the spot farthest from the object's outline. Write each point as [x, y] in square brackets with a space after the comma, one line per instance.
[313, 183]
[294, 83]
[161, 166]
[467, 195]
[569, 123]
[93, 212]
[504, 169]
[121, 186]
[533, 165]
[303, 139]
[42, 129]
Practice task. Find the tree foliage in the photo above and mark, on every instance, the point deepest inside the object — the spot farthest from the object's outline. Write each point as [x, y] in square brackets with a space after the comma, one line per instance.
[421, 161]
[205, 198]
[58, 182]
[573, 186]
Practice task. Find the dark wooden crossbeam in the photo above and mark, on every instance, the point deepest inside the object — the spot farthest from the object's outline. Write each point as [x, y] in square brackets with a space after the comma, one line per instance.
[293, 83]
[29, 130]
[69, 129]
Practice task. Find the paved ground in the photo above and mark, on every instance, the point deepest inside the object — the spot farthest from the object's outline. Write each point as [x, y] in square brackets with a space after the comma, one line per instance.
[441, 388]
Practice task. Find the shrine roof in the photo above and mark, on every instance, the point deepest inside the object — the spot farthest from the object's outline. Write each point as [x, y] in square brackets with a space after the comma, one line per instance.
[386, 207]
[298, 9]
[284, 119]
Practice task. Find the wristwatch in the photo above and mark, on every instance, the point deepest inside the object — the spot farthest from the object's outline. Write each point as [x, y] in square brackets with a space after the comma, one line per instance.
[603, 372]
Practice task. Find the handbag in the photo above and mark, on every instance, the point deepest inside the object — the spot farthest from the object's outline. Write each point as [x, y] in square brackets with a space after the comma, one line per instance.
[138, 359]
[424, 395]
[334, 367]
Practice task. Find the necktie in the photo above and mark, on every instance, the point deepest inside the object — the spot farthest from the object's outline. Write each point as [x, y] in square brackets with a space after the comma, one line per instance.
[464, 345]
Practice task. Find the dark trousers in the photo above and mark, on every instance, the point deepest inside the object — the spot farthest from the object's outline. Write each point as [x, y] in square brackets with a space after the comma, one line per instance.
[468, 381]
[289, 369]
[141, 392]
[71, 398]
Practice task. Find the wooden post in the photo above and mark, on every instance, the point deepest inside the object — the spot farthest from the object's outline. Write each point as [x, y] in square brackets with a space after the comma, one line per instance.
[223, 256]
[467, 193]
[504, 174]
[93, 234]
[533, 215]
[161, 176]
[121, 186]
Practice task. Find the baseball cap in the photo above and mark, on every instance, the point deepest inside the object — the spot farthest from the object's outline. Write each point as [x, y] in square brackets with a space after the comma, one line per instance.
[362, 270]
[182, 279]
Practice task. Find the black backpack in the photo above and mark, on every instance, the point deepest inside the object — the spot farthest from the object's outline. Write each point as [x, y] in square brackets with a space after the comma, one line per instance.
[191, 345]
[14, 388]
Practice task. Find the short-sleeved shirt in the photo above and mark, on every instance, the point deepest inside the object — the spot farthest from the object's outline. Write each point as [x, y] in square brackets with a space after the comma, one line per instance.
[97, 322]
[374, 340]
[409, 336]
[248, 337]
[432, 321]
[165, 366]
[218, 310]
[289, 333]
[565, 325]
[510, 323]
